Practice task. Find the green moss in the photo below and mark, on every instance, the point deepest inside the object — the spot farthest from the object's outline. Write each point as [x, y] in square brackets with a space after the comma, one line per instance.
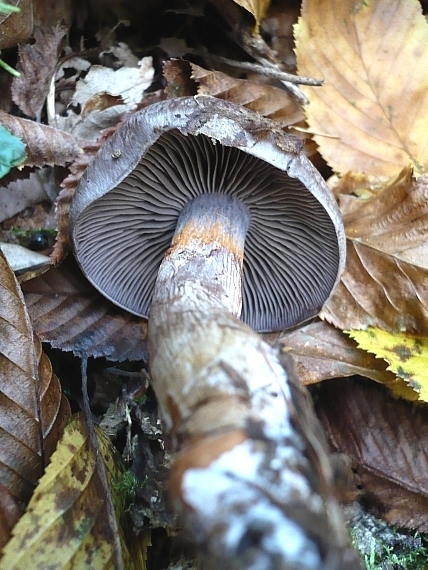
[399, 558]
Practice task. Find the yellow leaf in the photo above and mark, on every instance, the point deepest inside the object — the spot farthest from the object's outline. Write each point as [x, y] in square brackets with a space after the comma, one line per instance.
[67, 523]
[407, 355]
[372, 56]
[257, 8]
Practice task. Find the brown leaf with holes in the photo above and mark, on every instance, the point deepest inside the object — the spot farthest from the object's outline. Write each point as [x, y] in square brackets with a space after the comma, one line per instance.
[46, 146]
[33, 411]
[321, 352]
[385, 283]
[70, 314]
[387, 439]
[372, 106]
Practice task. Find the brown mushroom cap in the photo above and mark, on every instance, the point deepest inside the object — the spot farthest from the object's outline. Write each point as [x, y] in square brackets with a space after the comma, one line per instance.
[127, 204]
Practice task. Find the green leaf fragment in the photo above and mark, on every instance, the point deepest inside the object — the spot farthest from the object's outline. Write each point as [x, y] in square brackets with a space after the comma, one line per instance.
[12, 151]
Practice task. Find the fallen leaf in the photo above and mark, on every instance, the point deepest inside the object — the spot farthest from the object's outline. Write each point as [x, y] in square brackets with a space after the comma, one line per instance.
[105, 95]
[373, 103]
[68, 313]
[16, 27]
[387, 439]
[406, 354]
[45, 145]
[37, 62]
[321, 351]
[22, 259]
[257, 8]
[385, 283]
[10, 513]
[261, 98]
[33, 411]
[68, 523]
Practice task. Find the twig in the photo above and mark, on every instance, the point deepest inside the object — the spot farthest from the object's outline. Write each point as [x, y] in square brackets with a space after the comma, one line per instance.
[273, 71]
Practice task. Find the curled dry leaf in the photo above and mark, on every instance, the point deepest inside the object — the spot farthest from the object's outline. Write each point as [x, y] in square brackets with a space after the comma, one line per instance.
[70, 314]
[264, 99]
[33, 411]
[385, 283]
[388, 440]
[373, 103]
[73, 488]
[46, 146]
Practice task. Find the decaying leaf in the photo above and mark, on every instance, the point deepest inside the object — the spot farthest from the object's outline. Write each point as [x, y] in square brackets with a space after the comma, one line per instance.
[70, 314]
[104, 96]
[406, 354]
[387, 439]
[33, 411]
[373, 103]
[385, 283]
[45, 145]
[67, 523]
[37, 61]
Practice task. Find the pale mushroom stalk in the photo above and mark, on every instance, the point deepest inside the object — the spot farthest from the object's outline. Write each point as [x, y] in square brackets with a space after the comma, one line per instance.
[252, 480]
[229, 402]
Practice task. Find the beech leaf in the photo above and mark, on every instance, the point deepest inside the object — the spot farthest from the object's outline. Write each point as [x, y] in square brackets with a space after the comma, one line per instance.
[70, 314]
[406, 354]
[321, 352]
[67, 523]
[45, 145]
[385, 283]
[373, 103]
[387, 440]
[33, 411]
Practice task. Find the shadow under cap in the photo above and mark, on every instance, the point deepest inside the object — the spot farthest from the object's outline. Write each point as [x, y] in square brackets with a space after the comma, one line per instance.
[125, 210]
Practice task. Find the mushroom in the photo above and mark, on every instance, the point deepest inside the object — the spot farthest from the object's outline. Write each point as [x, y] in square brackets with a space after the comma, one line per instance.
[197, 212]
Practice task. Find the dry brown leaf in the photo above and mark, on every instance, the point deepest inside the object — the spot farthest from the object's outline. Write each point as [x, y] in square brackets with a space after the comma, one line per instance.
[372, 56]
[37, 61]
[76, 517]
[10, 513]
[33, 411]
[385, 283]
[388, 440]
[264, 99]
[16, 27]
[46, 146]
[321, 352]
[68, 313]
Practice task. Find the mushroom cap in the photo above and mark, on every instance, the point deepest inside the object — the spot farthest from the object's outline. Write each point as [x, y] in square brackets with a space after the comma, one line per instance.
[126, 206]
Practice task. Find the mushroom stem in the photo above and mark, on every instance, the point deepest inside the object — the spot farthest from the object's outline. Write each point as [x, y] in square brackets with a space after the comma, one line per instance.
[241, 480]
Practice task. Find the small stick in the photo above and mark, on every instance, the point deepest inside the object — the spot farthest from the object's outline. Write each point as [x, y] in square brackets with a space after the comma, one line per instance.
[271, 71]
